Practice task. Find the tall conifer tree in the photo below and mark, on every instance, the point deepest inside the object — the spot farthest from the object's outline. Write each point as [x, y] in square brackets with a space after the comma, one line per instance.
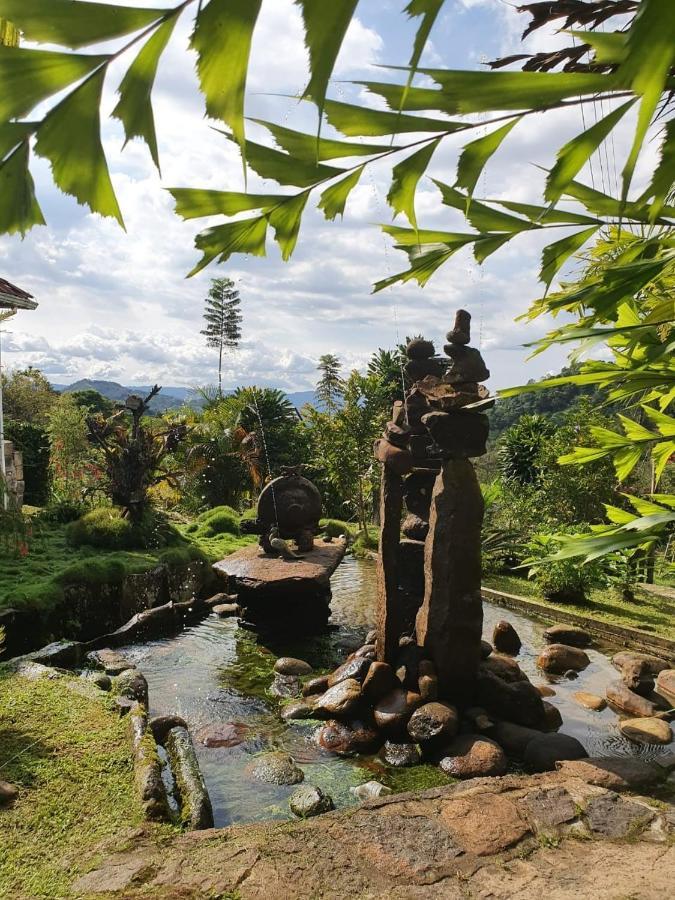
[223, 320]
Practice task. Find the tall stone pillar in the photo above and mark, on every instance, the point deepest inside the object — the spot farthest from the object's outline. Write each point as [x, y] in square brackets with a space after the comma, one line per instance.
[450, 621]
[389, 612]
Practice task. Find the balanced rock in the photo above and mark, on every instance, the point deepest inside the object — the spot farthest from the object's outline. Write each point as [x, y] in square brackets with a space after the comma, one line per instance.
[567, 634]
[299, 710]
[473, 756]
[514, 738]
[559, 658]
[368, 651]
[315, 686]
[665, 686]
[397, 434]
[380, 680]
[461, 434]
[427, 686]
[401, 755]
[505, 638]
[415, 528]
[276, 768]
[287, 665]
[347, 738]
[650, 730]
[478, 720]
[590, 701]
[543, 752]
[308, 801]
[467, 364]
[461, 330]
[355, 668]
[628, 701]
[433, 720]
[505, 667]
[370, 790]
[396, 459]
[340, 700]
[419, 348]
[393, 711]
[416, 369]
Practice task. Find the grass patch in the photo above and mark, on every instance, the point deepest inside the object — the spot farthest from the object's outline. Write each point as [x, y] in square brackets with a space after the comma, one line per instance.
[70, 756]
[647, 612]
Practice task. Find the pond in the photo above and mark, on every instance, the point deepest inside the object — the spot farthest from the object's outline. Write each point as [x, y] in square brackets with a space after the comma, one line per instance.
[217, 672]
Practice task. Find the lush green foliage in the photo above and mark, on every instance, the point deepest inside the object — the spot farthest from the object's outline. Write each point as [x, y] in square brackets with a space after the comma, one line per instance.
[93, 401]
[27, 396]
[106, 528]
[75, 466]
[330, 387]
[33, 442]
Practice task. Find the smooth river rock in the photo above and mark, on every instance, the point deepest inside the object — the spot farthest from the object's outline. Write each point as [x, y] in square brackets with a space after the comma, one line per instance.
[433, 720]
[514, 738]
[308, 801]
[285, 686]
[473, 756]
[505, 638]
[665, 685]
[505, 667]
[519, 702]
[287, 665]
[590, 701]
[340, 700]
[301, 709]
[224, 734]
[348, 738]
[628, 701]
[393, 711]
[623, 773]
[570, 635]
[276, 768]
[401, 755]
[356, 668]
[647, 730]
[559, 658]
[543, 752]
[315, 686]
[380, 680]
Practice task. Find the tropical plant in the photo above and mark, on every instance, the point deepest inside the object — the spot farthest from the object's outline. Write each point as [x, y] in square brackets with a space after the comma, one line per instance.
[75, 467]
[560, 580]
[387, 366]
[27, 396]
[93, 401]
[330, 387]
[223, 320]
[520, 447]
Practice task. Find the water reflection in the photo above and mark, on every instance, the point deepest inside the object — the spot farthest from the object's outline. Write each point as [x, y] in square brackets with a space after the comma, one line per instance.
[215, 672]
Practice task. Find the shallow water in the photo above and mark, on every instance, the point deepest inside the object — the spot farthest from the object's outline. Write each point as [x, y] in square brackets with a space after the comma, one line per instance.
[216, 672]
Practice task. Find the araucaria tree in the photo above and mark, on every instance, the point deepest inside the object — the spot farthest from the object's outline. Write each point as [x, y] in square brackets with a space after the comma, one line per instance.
[223, 320]
[330, 388]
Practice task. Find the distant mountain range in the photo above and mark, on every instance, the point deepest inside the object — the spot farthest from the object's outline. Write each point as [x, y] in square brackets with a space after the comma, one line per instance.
[170, 397]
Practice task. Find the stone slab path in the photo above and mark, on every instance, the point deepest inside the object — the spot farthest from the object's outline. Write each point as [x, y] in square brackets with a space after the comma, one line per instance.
[552, 836]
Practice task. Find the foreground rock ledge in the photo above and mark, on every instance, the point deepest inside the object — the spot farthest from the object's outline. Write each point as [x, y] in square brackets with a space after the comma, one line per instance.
[490, 837]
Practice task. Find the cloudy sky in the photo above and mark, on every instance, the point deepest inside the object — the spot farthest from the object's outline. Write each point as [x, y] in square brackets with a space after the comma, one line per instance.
[116, 305]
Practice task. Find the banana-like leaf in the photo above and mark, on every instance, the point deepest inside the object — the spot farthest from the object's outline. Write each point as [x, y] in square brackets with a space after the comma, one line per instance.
[285, 220]
[194, 203]
[78, 24]
[27, 77]
[405, 178]
[222, 38]
[285, 169]
[661, 184]
[134, 109]
[555, 255]
[475, 155]
[421, 270]
[79, 166]
[428, 10]
[19, 210]
[650, 57]
[334, 198]
[308, 148]
[482, 217]
[575, 154]
[243, 236]
[325, 28]
[465, 92]
[360, 121]
[12, 134]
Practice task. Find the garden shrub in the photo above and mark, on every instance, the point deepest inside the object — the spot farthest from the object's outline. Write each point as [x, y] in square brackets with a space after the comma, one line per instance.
[561, 580]
[219, 520]
[102, 527]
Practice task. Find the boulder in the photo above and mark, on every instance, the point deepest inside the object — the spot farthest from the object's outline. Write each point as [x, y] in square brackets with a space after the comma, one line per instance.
[131, 684]
[628, 701]
[301, 709]
[8, 793]
[225, 734]
[308, 801]
[393, 711]
[287, 665]
[649, 730]
[543, 752]
[505, 638]
[433, 720]
[461, 434]
[567, 634]
[651, 665]
[370, 790]
[380, 680]
[485, 649]
[226, 610]
[590, 701]
[348, 738]
[553, 717]
[340, 700]
[473, 756]
[620, 774]
[415, 528]
[276, 768]
[665, 686]
[401, 755]
[519, 702]
[505, 667]
[559, 658]
[396, 459]
[315, 686]
[355, 668]
[514, 738]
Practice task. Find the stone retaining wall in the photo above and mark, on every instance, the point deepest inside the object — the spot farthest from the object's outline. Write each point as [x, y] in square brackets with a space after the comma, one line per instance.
[14, 474]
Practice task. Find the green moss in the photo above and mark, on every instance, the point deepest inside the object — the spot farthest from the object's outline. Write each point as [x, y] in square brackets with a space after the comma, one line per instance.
[103, 527]
[335, 527]
[365, 543]
[415, 778]
[70, 756]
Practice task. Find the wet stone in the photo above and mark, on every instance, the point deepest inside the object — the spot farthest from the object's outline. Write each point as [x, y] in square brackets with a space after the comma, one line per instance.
[131, 685]
[341, 699]
[225, 734]
[401, 755]
[543, 752]
[545, 690]
[286, 686]
[356, 668]
[226, 610]
[648, 730]
[368, 651]
[100, 679]
[348, 738]
[505, 638]
[514, 738]
[567, 634]
[433, 720]
[519, 702]
[611, 816]
[299, 710]
[559, 658]
[621, 696]
[485, 649]
[315, 686]
[473, 756]
[505, 667]
[590, 701]
[395, 708]
[162, 725]
[308, 801]
[380, 680]
[287, 665]
[553, 717]
[112, 662]
[427, 686]
[276, 768]
[665, 685]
